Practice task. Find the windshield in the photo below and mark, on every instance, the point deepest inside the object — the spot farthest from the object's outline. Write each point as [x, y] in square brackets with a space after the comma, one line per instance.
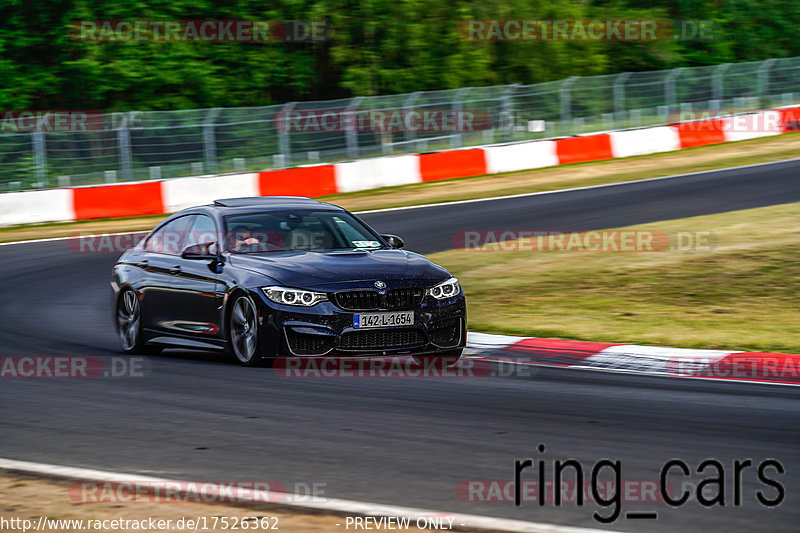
[284, 231]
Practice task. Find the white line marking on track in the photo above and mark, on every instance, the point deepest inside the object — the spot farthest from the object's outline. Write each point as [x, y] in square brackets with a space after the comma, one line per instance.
[343, 507]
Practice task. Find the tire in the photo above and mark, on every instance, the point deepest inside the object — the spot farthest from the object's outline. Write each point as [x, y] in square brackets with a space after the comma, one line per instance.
[129, 325]
[243, 331]
[440, 360]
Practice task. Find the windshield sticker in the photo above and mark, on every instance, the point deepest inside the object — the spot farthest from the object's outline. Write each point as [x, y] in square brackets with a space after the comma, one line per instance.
[366, 244]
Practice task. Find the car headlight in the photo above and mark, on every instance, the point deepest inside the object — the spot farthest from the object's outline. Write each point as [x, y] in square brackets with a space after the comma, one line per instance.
[287, 296]
[445, 289]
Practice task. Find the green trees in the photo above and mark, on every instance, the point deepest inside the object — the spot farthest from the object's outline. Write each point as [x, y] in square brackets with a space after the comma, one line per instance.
[376, 47]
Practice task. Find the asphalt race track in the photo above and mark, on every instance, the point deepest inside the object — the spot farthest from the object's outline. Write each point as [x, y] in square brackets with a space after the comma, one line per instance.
[197, 416]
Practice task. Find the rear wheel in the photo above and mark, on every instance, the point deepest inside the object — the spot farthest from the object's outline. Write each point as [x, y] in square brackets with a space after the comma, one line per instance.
[243, 331]
[440, 360]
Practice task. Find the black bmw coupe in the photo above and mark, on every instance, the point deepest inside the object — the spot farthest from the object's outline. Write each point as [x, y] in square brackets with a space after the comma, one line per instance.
[274, 276]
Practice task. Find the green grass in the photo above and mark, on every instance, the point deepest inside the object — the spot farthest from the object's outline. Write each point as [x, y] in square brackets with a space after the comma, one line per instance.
[741, 295]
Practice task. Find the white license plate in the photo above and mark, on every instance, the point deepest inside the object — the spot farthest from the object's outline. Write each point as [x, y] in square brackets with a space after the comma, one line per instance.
[383, 320]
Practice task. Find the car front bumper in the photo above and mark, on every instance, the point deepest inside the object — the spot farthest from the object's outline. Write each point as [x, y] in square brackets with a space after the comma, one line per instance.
[327, 330]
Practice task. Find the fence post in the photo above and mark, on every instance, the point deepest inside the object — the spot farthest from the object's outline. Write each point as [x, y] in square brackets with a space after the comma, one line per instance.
[39, 157]
[350, 133]
[671, 95]
[505, 118]
[124, 142]
[284, 146]
[717, 83]
[619, 95]
[210, 140]
[457, 138]
[763, 78]
[407, 105]
[566, 100]
[507, 121]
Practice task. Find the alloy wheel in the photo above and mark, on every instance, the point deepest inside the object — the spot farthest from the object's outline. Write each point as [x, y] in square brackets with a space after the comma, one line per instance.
[128, 320]
[244, 329]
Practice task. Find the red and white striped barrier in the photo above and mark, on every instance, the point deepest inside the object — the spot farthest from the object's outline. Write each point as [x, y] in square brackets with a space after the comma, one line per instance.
[378, 172]
[760, 367]
[31, 207]
[167, 196]
[645, 141]
[520, 156]
[181, 193]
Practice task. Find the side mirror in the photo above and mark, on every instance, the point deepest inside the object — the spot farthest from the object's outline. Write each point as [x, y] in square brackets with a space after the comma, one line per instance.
[199, 251]
[393, 240]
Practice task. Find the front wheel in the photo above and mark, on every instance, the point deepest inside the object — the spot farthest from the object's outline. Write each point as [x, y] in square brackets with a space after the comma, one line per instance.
[243, 328]
[129, 325]
[440, 360]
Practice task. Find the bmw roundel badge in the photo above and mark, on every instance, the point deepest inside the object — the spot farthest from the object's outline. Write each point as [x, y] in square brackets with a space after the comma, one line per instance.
[380, 285]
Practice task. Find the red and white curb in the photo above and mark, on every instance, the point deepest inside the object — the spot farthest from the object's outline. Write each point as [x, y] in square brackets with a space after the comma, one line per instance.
[727, 365]
[208, 492]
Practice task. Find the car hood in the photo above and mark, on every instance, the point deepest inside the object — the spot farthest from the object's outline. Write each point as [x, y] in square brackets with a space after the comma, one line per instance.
[314, 269]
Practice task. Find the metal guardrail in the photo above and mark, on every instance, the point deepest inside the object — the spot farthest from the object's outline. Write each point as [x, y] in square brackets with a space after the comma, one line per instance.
[142, 145]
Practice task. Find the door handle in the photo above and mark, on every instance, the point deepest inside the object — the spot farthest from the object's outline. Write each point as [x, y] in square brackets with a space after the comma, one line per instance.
[144, 263]
[175, 270]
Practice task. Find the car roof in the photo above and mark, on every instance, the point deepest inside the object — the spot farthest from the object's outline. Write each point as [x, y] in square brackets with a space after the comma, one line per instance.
[258, 204]
[269, 201]
[276, 203]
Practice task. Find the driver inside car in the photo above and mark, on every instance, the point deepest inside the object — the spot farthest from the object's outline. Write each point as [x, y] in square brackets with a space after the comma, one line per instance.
[245, 240]
[259, 239]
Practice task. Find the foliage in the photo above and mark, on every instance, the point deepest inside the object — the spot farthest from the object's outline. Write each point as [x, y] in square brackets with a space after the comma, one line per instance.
[376, 47]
